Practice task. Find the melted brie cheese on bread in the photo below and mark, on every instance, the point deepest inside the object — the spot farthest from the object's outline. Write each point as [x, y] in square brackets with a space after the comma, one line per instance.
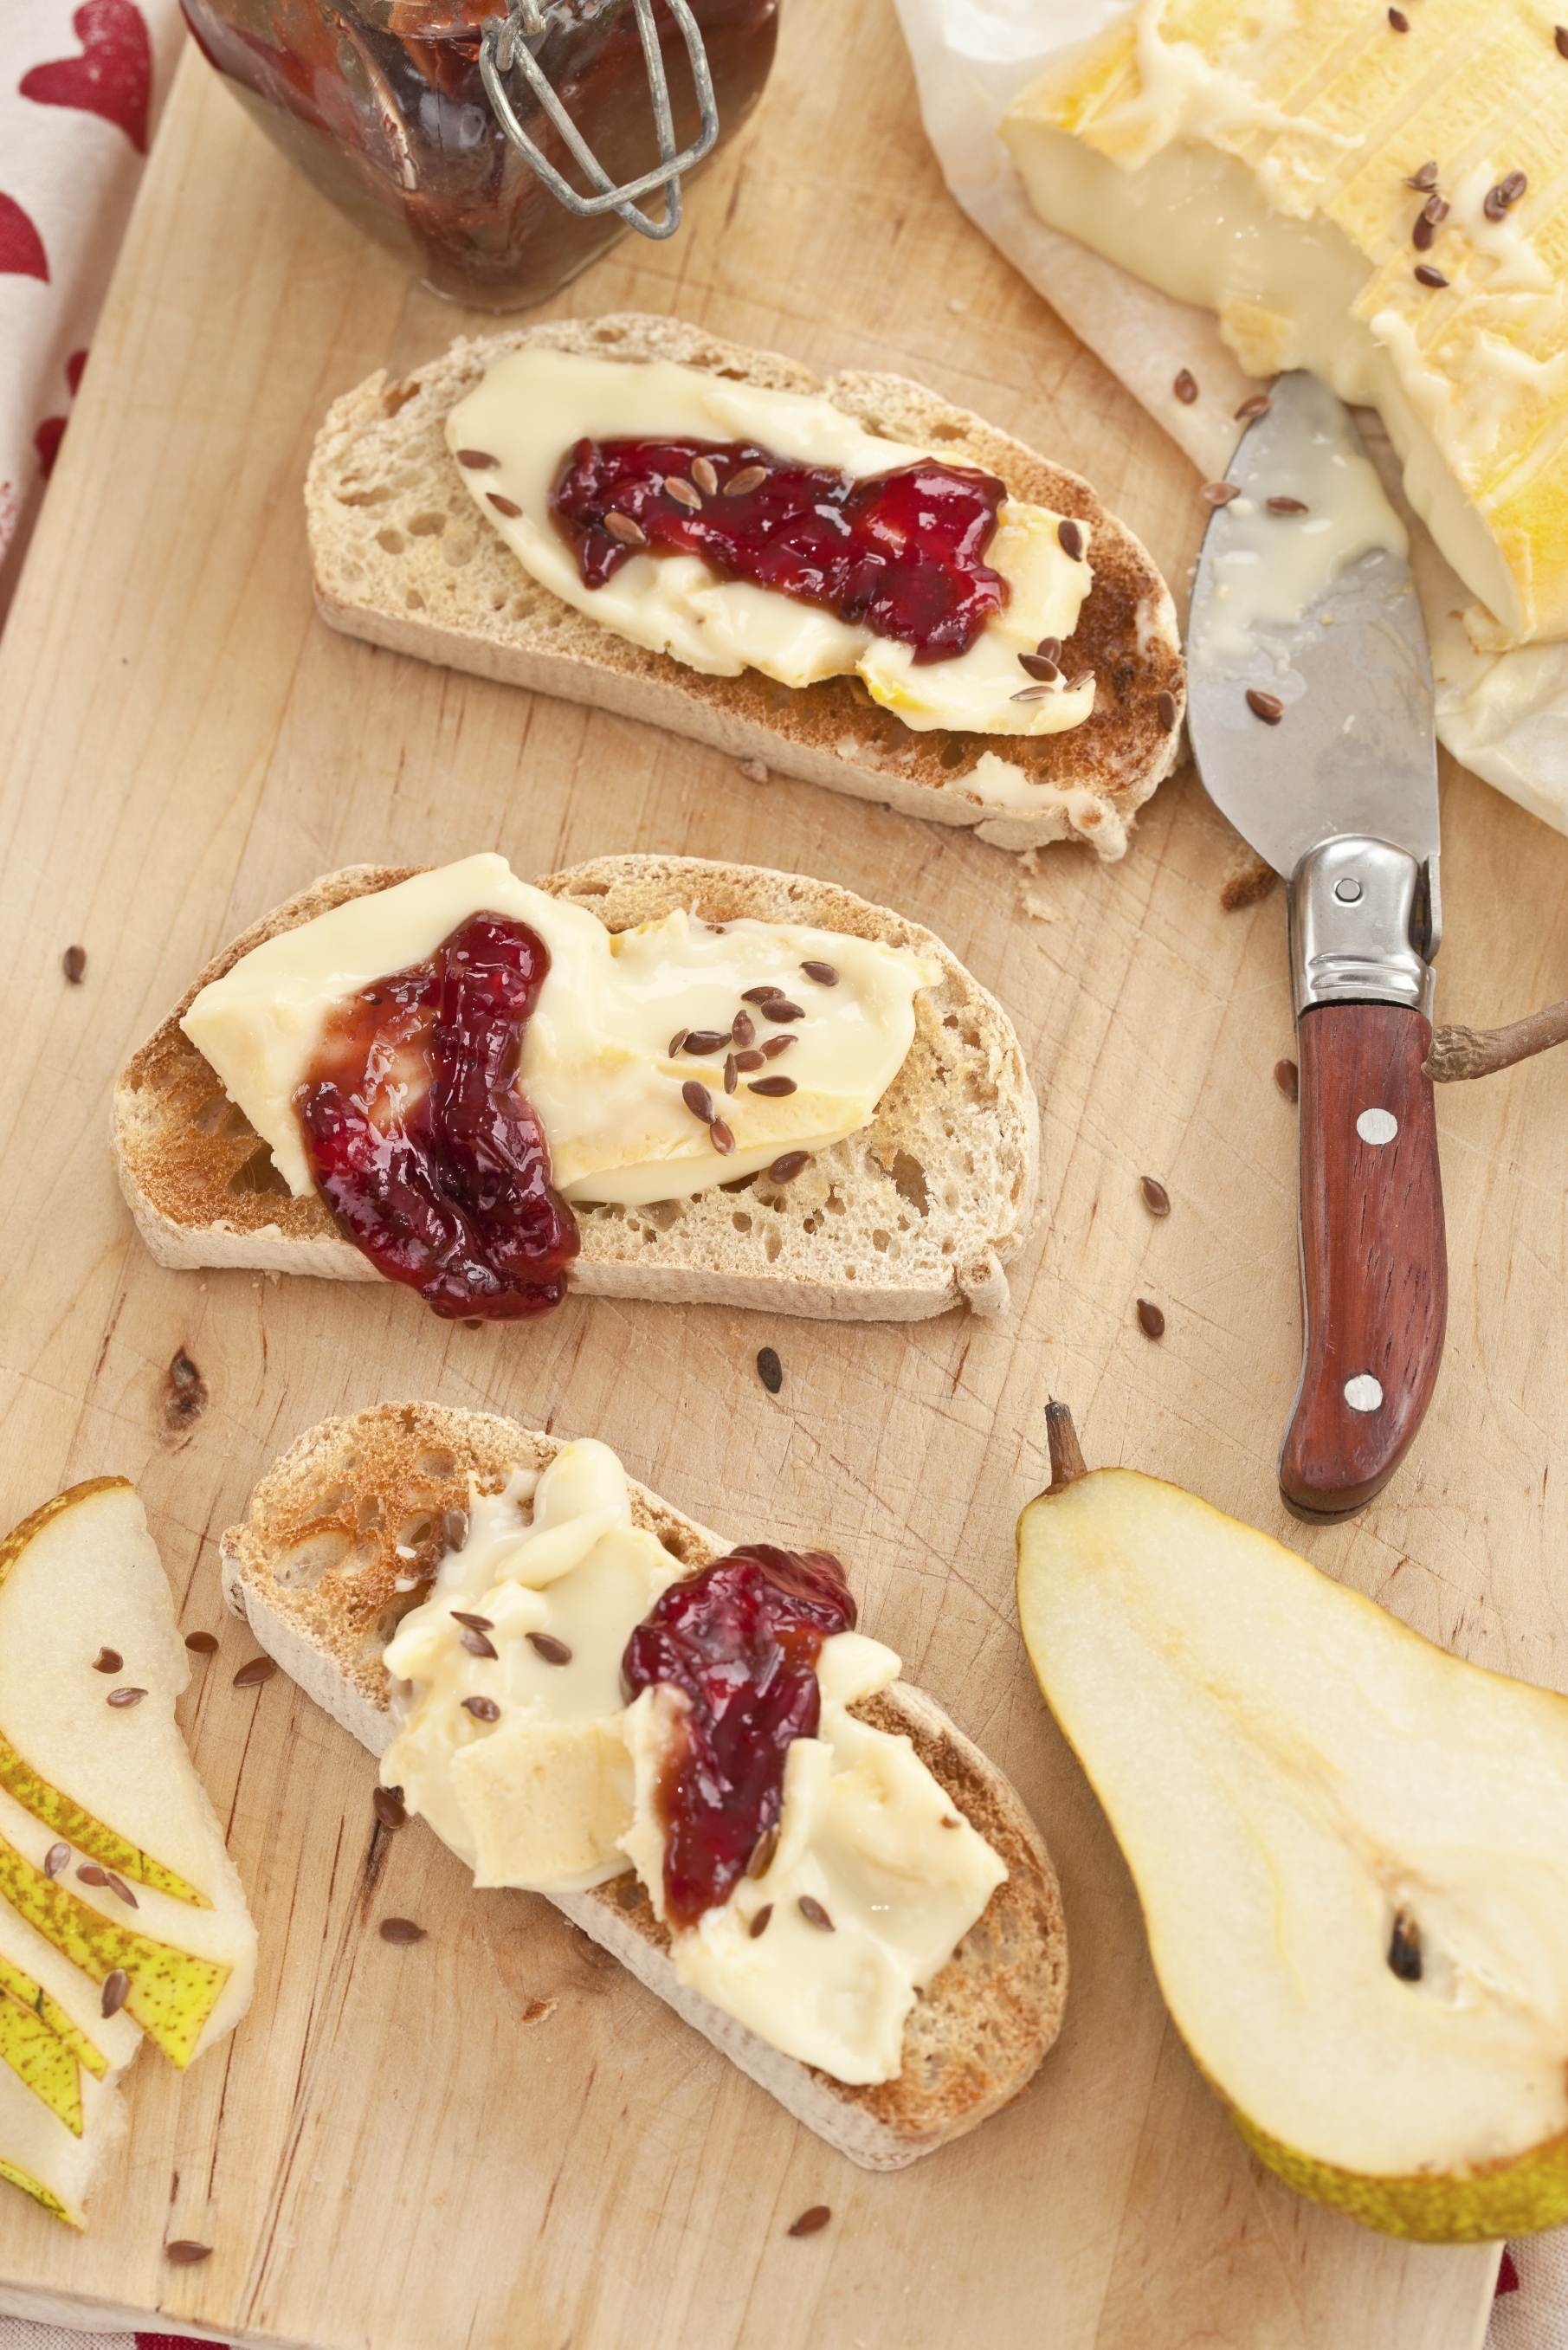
[532, 407]
[597, 1066]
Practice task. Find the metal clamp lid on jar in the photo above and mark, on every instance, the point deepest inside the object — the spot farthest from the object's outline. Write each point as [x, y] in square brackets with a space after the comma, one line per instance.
[504, 44]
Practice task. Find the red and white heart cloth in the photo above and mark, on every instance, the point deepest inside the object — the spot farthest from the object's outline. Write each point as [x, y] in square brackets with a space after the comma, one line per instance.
[1531, 2313]
[80, 88]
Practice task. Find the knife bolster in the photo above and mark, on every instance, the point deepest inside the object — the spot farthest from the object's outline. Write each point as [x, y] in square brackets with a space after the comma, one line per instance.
[1365, 925]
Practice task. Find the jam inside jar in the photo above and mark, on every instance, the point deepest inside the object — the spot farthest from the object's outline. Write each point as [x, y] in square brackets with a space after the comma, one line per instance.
[381, 103]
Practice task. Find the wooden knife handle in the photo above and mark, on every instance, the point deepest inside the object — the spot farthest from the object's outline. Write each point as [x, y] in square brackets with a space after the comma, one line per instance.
[1375, 1277]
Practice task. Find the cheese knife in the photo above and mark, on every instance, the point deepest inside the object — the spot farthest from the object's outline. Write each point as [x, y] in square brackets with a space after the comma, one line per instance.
[1310, 710]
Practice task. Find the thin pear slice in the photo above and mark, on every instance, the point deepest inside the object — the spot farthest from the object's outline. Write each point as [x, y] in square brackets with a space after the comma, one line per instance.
[18, 1776]
[40, 2194]
[32, 1996]
[49, 2161]
[171, 1993]
[80, 1828]
[1351, 1849]
[43, 2047]
[40, 2058]
[80, 1577]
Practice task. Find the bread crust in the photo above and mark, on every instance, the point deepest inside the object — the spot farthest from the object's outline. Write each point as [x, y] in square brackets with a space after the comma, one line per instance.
[916, 1213]
[979, 2030]
[404, 559]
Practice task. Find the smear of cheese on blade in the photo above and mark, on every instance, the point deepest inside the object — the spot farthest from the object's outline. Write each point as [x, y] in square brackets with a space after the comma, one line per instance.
[1254, 162]
[597, 1067]
[530, 409]
[558, 1789]
[1269, 569]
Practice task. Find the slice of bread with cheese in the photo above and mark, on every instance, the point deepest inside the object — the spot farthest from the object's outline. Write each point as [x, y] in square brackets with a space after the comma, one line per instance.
[333, 1550]
[1387, 207]
[912, 1214]
[404, 558]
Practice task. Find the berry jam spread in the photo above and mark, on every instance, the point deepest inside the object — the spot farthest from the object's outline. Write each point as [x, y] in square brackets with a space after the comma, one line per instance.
[740, 1639]
[900, 554]
[421, 1143]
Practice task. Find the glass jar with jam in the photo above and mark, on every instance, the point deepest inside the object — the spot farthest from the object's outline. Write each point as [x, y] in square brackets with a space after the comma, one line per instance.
[498, 156]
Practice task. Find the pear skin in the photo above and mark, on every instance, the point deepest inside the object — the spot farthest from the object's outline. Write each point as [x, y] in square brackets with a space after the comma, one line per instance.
[68, 1820]
[40, 2194]
[38, 2056]
[171, 1993]
[32, 1995]
[1476, 2206]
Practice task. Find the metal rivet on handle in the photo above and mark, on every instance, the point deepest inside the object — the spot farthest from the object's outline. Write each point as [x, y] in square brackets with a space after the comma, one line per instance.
[1347, 890]
[1377, 1126]
[1363, 1393]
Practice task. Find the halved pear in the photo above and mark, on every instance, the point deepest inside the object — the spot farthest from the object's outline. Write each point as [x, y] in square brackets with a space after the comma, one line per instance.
[1351, 1849]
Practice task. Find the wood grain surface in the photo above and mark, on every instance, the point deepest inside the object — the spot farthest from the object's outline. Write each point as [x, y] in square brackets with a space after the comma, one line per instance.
[1375, 1274]
[494, 2138]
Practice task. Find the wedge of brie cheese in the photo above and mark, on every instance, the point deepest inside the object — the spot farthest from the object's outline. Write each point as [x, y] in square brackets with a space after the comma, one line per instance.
[597, 1067]
[1272, 164]
[530, 409]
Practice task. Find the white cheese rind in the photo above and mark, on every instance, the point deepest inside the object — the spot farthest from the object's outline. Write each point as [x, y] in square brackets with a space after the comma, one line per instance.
[595, 1065]
[530, 409]
[1464, 374]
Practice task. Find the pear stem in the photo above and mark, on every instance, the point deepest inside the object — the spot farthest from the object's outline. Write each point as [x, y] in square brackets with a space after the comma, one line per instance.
[1067, 1461]
[1476, 1052]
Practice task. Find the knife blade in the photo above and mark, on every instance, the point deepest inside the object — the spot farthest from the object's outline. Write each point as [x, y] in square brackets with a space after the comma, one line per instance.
[1310, 712]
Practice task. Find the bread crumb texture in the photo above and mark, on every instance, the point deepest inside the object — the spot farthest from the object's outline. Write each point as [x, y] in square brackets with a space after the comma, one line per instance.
[316, 1567]
[403, 558]
[917, 1212]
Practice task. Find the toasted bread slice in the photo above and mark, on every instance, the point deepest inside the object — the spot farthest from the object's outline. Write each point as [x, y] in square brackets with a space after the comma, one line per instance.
[910, 1216]
[403, 559]
[315, 1570]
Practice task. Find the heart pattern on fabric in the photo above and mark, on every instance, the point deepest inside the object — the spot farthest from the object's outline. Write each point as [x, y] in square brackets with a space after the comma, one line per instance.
[113, 76]
[52, 430]
[22, 251]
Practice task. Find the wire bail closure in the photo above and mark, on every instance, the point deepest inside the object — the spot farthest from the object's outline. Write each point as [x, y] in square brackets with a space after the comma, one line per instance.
[504, 44]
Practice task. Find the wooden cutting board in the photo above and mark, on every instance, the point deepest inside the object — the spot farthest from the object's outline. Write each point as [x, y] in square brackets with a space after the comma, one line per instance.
[496, 2137]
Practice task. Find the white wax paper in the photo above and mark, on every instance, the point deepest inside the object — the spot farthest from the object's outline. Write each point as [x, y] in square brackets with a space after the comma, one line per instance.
[1504, 716]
